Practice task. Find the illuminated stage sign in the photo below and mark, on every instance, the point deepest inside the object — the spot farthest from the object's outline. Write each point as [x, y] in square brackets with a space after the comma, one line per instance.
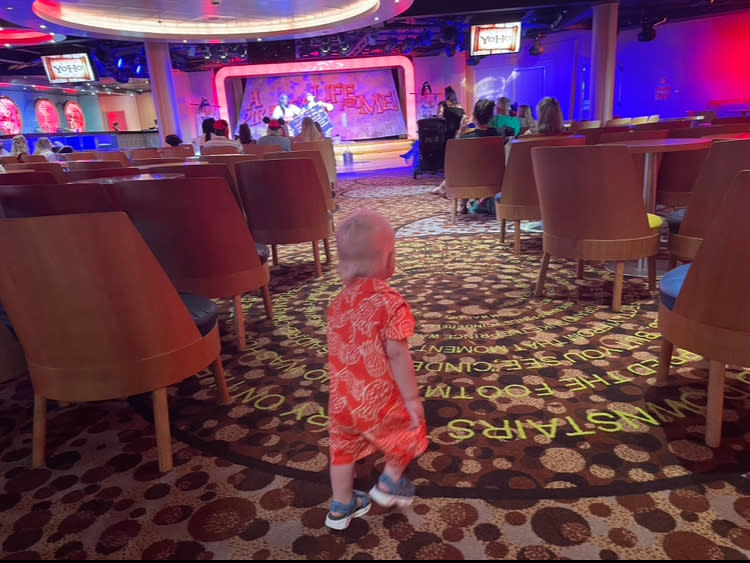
[47, 116]
[74, 117]
[10, 118]
[495, 39]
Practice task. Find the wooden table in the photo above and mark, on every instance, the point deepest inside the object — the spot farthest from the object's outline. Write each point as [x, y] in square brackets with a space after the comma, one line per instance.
[651, 149]
[115, 179]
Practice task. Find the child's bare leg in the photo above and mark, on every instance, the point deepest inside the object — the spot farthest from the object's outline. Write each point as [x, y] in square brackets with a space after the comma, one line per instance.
[342, 483]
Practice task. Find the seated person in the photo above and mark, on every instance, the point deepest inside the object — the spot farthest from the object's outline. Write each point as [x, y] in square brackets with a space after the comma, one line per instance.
[275, 134]
[550, 120]
[220, 138]
[44, 147]
[173, 140]
[504, 119]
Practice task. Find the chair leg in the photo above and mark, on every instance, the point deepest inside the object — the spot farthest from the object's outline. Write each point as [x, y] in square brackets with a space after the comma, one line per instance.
[39, 432]
[220, 380]
[455, 210]
[542, 274]
[267, 302]
[579, 269]
[316, 254]
[327, 249]
[672, 261]
[274, 255]
[715, 403]
[502, 230]
[651, 264]
[665, 359]
[617, 290]
[239, 322]
[517, 248]
[161, 427]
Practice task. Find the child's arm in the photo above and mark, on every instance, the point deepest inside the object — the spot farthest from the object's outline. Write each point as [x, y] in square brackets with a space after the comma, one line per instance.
[402, 366]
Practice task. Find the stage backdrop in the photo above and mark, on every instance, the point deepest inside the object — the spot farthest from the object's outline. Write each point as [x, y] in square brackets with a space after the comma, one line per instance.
[353, 105]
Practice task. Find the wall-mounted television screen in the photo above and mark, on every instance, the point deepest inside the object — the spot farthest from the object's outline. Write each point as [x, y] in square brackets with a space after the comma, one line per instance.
[495, 39]
[72, 67]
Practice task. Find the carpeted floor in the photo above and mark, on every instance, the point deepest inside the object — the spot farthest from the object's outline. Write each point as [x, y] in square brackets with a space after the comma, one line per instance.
[547, 439]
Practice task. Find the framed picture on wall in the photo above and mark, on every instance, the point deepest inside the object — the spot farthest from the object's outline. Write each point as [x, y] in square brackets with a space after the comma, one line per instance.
[74, 117]
[47, 115]
[11, 122]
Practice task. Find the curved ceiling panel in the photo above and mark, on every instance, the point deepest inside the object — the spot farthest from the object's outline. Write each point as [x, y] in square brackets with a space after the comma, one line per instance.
[210, 20]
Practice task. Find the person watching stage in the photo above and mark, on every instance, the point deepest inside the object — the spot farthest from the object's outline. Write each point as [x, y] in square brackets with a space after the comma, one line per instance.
[44, 147]
[207, 126]
[506, 124]
[245, 135]
[309, 131]
[220, 138]
[550, 121]
[275, 134]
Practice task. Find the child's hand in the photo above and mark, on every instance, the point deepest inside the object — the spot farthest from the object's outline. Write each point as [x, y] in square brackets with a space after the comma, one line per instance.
[416, 412]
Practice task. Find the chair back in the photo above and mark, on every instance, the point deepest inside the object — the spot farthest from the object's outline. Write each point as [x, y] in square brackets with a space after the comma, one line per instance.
[589, 124]
[218, 149]
[722, 163]
[196, 230]
[94, 308]
[677, 174]
[92, 173]
[158, 160]
[520, 199]
[33, 158]
[77, 155]
[147, 152]
[283, 200]
[25, 177]
[474, 167]
[54, 168]
[180, 151]
[618, 121]
[588, 193]
[326, 150]
[93, 164]
[634, 135]
[119, 156]
[640, 119]
[320, 171]
[54, 199]
[713, 292]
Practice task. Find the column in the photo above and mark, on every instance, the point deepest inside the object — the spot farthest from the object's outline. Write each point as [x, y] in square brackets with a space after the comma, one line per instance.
[162, 87]
[603, 60]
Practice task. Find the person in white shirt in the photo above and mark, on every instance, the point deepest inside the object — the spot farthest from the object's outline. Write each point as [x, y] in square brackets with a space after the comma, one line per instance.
[44, 147]
[286, 111]
[220, 138]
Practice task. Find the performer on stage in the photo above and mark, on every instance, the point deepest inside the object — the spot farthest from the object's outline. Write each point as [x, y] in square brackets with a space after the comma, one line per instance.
[313, 103]
[318, 111]
[286, 111]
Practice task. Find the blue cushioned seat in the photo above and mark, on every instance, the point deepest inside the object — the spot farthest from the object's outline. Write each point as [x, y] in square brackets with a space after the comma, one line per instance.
[671, 284]
[203, 310]
[674, 220]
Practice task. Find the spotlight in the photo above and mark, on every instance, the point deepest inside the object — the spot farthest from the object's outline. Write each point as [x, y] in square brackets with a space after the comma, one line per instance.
[537, 48]
[648, 33]
[325, 46]
[120, 62]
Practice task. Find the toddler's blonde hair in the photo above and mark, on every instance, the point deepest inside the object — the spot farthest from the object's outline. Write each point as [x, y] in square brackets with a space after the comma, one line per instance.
[365, 243]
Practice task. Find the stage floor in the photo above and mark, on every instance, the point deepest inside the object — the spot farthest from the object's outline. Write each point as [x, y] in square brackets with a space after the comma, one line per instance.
[372, 155]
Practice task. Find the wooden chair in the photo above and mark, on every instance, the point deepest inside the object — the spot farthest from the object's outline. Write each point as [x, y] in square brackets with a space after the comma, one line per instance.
[589, 124]
[147, 152]
[199, 169]
[284, 204]
[677, 174]
[593, 209]
[329, 156]
[519, 199]
[320, 171]
[77, 155]
[640, 119]
[180, 151]
[98, 318]
[54, 168]
[206, 150]
[722, 163]
[617, 121]
[26, 159]
[229, 160]
[159, 160]
[25, 177]
[119, 156]
[632, 135]
[704, 306]
[196, 230]
[12, 357]
[594, 134]
[93, 164]
[474, 168]
[92, 173]
[653, 118]
[54, 199]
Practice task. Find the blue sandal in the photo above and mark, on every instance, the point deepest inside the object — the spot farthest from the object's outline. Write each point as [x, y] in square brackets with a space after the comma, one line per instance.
[348, 511]
[400, 493]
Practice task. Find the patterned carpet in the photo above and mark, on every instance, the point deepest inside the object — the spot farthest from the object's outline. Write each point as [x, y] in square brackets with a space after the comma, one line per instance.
[547, 439]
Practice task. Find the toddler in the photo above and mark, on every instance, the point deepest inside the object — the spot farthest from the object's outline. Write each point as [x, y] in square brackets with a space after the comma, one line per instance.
[374, 405]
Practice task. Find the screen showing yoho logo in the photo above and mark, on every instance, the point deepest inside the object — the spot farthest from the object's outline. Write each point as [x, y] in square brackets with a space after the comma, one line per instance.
[495, 39]
[68, 68]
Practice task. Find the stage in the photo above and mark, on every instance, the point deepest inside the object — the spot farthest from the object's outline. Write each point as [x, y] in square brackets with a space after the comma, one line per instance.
[371, 155]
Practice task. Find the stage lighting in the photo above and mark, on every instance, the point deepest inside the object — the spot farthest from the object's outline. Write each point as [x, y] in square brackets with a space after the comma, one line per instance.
[648, 33]
[450, 51]
[325, 46]
[537, 48]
